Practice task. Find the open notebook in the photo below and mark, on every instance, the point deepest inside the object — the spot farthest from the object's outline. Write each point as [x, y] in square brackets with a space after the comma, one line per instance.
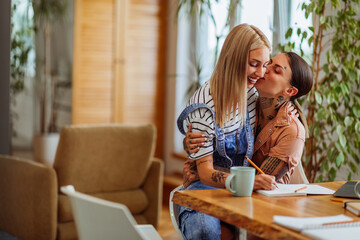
[327, 228]
[296, 190]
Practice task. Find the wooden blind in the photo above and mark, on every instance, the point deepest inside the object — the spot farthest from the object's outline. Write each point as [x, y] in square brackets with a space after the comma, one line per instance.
[93, 59]
[119, 62]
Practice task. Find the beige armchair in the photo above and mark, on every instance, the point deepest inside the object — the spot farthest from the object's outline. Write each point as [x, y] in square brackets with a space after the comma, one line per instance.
[113, 162]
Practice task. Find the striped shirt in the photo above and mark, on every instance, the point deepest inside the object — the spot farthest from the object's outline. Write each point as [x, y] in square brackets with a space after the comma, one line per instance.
[202, 119]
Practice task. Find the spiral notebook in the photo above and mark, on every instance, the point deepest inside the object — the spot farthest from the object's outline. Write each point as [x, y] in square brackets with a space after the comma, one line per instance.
[329, 227]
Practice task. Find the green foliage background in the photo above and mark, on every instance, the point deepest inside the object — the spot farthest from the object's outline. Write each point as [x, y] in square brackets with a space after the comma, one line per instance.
[333, 106]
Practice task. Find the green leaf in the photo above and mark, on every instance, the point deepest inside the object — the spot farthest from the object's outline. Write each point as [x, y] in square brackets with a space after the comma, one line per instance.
[357, 127]
[321, 114]
[339, 159]
[339, 129]
[318, 98]
[332, 174]
[288, 33]
[344, 88]
[326, 68]
[329, 153]
[356, 112]
[352, 74]
[353, 167]
[316, 132]
[310, 41]
[348, 121]
[325, 166]
[322, 20]
[320, 178]
[304, 34]
[335, 3]
[342, 140]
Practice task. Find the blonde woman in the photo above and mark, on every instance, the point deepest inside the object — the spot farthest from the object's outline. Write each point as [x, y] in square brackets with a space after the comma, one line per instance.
[223, 109]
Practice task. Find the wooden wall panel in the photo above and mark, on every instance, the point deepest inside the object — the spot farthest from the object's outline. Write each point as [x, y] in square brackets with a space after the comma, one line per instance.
[93, 62]
[144, 65]
[141, 60]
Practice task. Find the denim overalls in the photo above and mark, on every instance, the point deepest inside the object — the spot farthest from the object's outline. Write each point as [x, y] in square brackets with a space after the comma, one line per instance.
[229, 150]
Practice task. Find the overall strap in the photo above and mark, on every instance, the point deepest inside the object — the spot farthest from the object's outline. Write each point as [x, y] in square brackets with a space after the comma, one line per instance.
[220, 146]
[249, 138]
[183, 115]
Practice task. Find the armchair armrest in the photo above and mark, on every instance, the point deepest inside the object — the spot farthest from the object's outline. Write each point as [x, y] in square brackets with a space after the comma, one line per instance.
[153, 188]
[28, 199]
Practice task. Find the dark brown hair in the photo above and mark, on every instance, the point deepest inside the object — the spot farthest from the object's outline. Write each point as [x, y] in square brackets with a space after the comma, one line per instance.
[301, 76]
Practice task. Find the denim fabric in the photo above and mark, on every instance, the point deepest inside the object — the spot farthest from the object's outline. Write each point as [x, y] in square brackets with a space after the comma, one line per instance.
[195, 225]
[229, 150]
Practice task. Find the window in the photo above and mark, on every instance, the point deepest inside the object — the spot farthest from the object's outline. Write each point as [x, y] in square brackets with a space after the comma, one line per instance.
[299, 21]
[197, 50]
[263, 19]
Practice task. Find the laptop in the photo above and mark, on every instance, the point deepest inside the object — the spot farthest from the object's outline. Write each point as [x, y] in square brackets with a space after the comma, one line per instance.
[347, 190]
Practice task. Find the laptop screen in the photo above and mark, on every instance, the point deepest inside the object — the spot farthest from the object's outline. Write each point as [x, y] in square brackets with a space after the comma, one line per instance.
[347, 190]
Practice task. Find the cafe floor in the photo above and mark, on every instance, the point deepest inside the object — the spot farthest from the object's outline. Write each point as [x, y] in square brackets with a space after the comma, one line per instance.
[166, 229]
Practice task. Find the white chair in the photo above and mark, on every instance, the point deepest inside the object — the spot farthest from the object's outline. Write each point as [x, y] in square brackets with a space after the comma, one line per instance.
[96, 218]
[298, 176]
[174, 211]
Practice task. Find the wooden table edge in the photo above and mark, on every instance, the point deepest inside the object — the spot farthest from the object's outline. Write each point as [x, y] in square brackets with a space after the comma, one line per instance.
[254, 226]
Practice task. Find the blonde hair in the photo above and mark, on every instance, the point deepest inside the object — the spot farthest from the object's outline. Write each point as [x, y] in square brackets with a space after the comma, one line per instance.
[228, 83]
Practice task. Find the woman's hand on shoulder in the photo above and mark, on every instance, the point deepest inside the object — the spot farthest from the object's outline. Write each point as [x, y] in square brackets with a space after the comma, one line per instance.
[193, 140]
[293, 110]
[264, 182]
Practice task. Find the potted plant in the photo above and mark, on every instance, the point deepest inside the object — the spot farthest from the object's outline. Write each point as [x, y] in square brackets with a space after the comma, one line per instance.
[46, 12]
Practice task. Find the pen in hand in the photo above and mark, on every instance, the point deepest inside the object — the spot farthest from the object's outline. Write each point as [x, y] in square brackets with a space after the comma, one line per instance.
[257, 168]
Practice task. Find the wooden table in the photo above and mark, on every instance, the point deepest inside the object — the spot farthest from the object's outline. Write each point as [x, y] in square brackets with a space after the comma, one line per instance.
[255, 213]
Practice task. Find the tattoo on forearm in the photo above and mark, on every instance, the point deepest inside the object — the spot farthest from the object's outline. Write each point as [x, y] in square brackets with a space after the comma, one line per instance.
[222, 169]
[274, 166]
[282, 171]
[218, 177]
[266, 102]
[203, 161]
[193, 167]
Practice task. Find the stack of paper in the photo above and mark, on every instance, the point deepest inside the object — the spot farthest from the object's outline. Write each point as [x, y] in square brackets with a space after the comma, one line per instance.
[326, 228]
